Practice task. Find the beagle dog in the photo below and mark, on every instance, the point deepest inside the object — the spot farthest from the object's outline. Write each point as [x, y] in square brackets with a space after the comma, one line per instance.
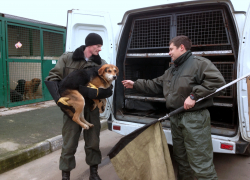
[94, 77]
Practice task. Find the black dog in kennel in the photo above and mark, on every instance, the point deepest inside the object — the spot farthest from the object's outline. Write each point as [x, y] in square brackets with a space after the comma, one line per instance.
[17, 94]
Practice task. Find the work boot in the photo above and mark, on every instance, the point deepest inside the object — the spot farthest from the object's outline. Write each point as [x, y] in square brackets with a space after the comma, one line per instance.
[93, 173]
[65, 175]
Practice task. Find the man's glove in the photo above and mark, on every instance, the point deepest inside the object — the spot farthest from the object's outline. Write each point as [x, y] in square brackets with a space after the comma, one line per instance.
[95, 93]
[60, 101]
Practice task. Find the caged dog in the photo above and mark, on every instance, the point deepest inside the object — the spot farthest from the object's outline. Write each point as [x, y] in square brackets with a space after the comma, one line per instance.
[31, 87]
[95, 77]
[17, 94]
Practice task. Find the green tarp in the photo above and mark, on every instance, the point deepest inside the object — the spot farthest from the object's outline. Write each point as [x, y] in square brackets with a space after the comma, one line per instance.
[143, 155]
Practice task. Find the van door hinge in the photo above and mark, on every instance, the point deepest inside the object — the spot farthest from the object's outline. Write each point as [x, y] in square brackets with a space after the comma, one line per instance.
[1, 37]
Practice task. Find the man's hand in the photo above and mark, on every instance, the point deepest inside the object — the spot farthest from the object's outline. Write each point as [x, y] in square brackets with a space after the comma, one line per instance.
[189, 103]
[128, 84]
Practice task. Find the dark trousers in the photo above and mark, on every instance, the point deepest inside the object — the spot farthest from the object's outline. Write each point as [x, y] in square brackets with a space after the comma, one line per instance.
[71, 132]
[192, 145]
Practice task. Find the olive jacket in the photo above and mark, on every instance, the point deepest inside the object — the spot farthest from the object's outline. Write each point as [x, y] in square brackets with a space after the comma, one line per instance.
[188, 75]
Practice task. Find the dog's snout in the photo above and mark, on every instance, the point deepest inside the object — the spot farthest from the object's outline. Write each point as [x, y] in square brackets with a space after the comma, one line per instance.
[114, 77]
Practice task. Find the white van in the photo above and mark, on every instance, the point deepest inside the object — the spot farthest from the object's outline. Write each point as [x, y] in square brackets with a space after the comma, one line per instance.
[140, 51]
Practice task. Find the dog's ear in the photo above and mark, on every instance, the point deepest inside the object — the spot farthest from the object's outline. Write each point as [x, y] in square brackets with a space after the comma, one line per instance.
[102, 69]
[33, 80]
[117, 70]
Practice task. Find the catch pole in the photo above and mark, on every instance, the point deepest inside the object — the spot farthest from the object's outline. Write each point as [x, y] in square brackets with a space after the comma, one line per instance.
[181, 109]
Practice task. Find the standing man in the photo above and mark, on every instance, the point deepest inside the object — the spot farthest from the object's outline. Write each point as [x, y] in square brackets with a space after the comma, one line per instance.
[83, 57]
[187, 80]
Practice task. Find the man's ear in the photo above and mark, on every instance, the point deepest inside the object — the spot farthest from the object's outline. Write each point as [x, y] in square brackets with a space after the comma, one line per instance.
[182, 47]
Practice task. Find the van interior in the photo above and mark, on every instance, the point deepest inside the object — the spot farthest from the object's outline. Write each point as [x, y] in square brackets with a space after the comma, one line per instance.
[143, 54]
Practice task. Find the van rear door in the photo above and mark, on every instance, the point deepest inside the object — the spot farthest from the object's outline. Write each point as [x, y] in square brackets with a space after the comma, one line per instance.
[79, 24]
[243, 87]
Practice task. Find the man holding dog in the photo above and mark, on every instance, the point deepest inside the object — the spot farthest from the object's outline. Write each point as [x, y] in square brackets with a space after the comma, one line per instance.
[187, 80]
[83, 57]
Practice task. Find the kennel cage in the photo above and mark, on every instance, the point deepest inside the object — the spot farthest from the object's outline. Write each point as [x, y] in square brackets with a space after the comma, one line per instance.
[29, 51]
[209, 30]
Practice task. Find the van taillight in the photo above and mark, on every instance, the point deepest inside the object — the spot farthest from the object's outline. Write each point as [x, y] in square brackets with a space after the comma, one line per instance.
[227, 146]
[117, 128]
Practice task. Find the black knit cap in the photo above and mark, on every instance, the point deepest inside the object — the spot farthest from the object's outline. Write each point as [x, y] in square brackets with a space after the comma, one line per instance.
[93, 39]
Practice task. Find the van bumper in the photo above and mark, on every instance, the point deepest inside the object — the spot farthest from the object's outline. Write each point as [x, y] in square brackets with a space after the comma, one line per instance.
[239, 147]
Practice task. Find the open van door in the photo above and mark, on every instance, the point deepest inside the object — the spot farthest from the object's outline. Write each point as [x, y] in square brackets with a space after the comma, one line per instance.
[79, 24]
[243, 87]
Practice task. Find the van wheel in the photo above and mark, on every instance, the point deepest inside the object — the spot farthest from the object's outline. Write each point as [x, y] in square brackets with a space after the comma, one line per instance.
[247, 152]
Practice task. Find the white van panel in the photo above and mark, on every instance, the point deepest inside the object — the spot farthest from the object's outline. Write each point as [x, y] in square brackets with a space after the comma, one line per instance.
[126, 127]
[240, 18]
[80, 31]
[244, 68]
[79, 24]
